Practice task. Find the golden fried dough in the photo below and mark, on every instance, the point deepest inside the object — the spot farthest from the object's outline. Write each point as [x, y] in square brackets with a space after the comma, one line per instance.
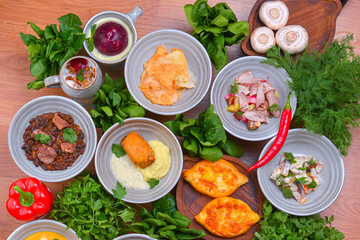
[227, 217]
[215, 179]
[138, 150]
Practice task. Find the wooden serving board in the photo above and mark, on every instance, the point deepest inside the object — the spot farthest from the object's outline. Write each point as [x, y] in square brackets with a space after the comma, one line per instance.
[190, 202]
[318, 17]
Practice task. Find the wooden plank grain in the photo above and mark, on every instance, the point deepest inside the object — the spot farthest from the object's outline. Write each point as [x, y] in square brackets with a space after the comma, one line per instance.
[15, 74]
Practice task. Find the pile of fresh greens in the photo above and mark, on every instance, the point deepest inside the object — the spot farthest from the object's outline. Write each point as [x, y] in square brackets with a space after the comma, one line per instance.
[277, 225]
[327, 87]
[114, 103]
[92, 212]
[215, 27]
[205, 136]
[165, 222]
[53, 48]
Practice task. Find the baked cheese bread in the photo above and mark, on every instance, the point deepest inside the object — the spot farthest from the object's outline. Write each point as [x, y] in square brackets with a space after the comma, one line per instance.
[215, 179]
[227, 217]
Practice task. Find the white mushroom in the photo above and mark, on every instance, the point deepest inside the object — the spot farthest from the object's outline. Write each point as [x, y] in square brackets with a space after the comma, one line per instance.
[261, 39]
[292, 38]
[274, 14]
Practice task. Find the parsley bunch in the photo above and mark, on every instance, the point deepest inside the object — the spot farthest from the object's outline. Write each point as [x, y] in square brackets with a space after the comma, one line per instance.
[92, 212]
[327, 87]
[277, 224]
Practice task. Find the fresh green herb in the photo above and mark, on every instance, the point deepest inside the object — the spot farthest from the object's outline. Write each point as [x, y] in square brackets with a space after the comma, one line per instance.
[53, 48]
[234, 88]
[205, 136]
[302, 180]
[90, 39]
[69, 135]
[56, 239]
[313, 184]
[312, 162]
[239, 114]
[327, 88]
[153, 182]
[114, 103]
[273, 108]
[290, 174]
[277, 224]
[290, 157]
[92, 212]
[215, 27]
[42, 138]
[287, 192]
[303, 167]
[165, 222]
[120, 191]
[118, 150]
[79, 75]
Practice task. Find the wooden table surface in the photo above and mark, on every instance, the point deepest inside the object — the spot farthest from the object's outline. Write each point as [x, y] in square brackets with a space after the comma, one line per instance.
[158, 14]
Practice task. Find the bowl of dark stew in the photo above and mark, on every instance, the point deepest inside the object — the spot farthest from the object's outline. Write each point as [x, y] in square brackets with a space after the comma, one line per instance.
[52, 138]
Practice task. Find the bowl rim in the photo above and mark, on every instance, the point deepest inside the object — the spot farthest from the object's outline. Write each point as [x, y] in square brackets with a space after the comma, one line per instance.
[41, 221]
[131, 26]
[124, 237]
[341, 170]
[39, 100]
[234, 62]
[170, 32]
[129, 120]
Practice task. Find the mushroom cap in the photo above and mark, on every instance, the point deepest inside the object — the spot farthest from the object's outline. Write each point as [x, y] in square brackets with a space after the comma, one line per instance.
[274, 14]
[292, 38]
[261, 39]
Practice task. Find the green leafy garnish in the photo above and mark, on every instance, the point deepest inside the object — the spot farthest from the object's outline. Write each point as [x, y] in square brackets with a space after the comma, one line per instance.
[215, 27]
[120, 191]
[153, 182]
[114, 103]
[287, 192]
[42, 138]
[234, 88]
[90, 39]
[302, 180]
[69, 135]
[205, 136]
[312, 162]
[118, 150]
[273, 108]
[277, 224]
[327, 88]
[290, 157]
[53, 47]
[303, 167]
[165, 222]
[313, 184]
[92, 212]
[79, 75]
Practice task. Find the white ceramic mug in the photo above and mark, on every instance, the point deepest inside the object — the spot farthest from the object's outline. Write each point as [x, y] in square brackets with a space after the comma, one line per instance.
[83, 93]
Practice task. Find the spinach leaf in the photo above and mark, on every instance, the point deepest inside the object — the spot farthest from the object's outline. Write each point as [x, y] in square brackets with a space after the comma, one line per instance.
[166, 204]
[232, 148]
[215, 27]
[53, 48]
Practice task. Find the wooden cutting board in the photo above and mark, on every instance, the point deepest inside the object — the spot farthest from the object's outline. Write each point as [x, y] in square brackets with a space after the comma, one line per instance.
[318, 17]
[190, 202]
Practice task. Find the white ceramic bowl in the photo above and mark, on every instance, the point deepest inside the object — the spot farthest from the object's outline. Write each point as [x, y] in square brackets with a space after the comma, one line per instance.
[198, 63]
[44, 105]
[150, 130]
[300, 142]
[221, 87]
[134, 236]
[32, 227]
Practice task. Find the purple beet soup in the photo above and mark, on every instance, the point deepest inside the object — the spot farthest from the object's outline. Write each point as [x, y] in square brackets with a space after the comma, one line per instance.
[110, 38]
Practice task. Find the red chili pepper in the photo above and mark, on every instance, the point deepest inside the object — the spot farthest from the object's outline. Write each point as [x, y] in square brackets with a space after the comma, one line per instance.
[280, 138]
[29, 199]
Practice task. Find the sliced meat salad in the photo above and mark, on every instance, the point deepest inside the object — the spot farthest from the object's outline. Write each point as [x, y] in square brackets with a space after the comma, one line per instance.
[55, 152]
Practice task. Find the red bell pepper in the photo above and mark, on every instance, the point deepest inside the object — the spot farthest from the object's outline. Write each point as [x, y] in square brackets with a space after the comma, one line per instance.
[29, 199]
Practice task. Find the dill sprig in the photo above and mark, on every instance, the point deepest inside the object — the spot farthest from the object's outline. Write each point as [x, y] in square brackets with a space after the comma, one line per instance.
[327, 87]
